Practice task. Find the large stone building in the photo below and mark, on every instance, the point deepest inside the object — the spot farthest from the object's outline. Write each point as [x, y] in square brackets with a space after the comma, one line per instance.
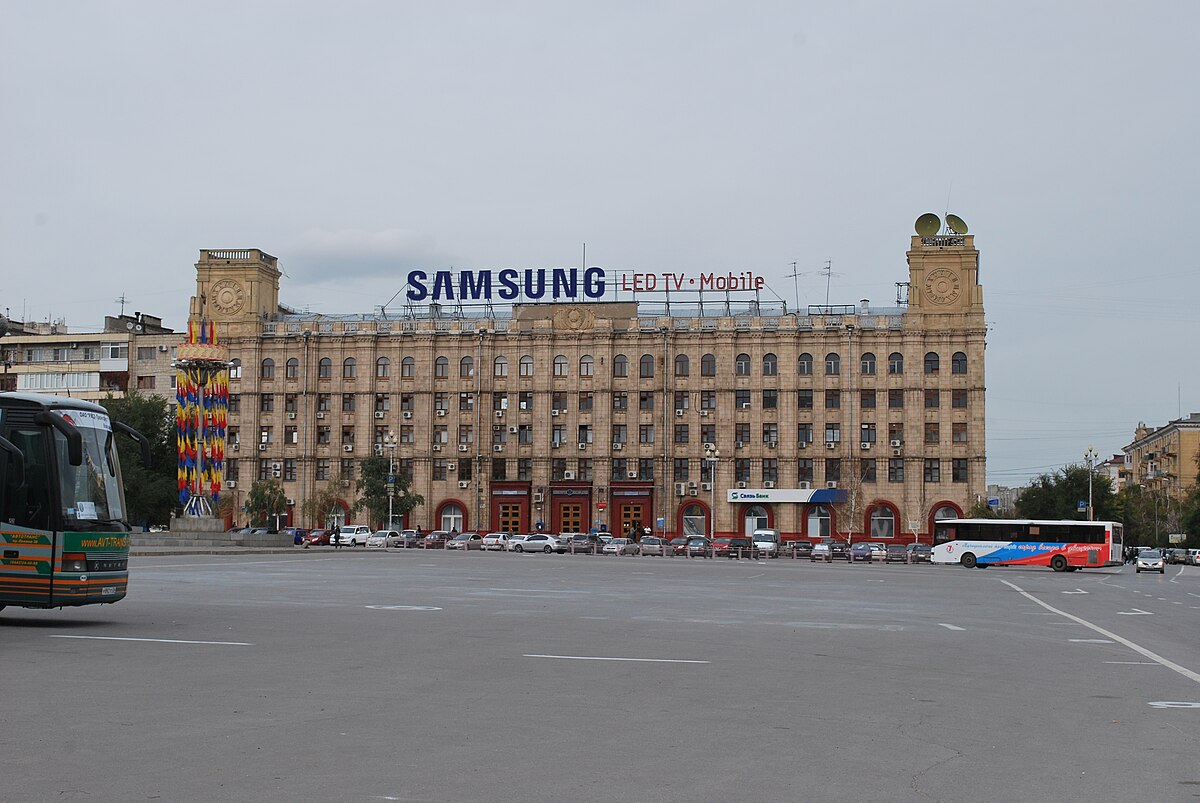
[689, 415]
[1163, 460]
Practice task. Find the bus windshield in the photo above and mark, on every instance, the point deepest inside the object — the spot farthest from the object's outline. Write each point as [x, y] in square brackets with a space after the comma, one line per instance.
[91, 492]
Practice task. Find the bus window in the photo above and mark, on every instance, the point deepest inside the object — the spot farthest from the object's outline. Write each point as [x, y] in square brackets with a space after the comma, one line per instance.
[32, 505]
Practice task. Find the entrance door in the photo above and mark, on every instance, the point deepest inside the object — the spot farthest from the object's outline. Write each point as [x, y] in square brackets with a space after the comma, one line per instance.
[508, 517]
[630, 515]
[570, 517]
[756, 519]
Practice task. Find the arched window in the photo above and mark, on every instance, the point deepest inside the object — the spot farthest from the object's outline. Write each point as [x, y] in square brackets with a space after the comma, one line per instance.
[804, 365]
[586, 366]
[883, 522]
[820, 523]
[325, 368]
[452, 518]
[349, 368]
[383, 368]
[895, 363]
[708, 365]
[833, 364]
[441, 368]
[408, 368]
[741, 365]
[770, 365]
[235, 368]
[694, 520]
[682, 366]
[646, 366]
[958, 363]
[466, 368]
[268, 369]
[941, 534]
[868, 364]
[620, 366]
[525, 367]
[560, 365]
[292, 368]
[500, 366]
[932, 363]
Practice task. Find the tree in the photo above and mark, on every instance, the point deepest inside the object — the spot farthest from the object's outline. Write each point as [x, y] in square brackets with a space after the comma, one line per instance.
[1057, 496]
[267, 503]
[372, 488]
[316, 508]
[980, 509]
[151, 492]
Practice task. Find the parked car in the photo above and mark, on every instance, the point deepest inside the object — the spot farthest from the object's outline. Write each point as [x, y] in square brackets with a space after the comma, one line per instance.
[621, 546]
[862, 552]
[651, 545]
[829, 550]
[381, 538]
[878, 551]
[409, 539]
[800, 549]
[840, 549]
[317, 538]
[1150, 560]
[434, 539]
[735, 547]
[465, 541]
[510, 543]
[896, 553]
[1177, 556]
[678, 545]
[584, 542]
[699, 546]
[296, 534]
[354, 535]
[540, 542]
[767, 541]
[1194, 557]
[493, 541]
[919, 553]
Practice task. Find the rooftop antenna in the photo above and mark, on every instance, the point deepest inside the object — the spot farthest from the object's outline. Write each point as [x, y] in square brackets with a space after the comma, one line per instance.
[795, 277]
[828, 271]
[122, 301]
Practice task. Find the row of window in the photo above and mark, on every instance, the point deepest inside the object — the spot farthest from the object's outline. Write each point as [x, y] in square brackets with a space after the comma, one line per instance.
[642, 470]
[742, 366]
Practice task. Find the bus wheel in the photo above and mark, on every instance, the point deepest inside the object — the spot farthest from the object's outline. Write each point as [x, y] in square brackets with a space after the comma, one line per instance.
[968, 560]
[1058, 563]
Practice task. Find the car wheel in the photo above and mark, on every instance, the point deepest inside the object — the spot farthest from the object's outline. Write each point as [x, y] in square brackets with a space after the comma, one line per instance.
[548, 549]
[1058, 563]
[518, 548]
[968, 560]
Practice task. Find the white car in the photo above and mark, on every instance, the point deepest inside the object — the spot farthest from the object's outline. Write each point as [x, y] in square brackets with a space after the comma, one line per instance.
[495, 541]
[539, 542]
[511, 542]
[353, 535]
[383, 538]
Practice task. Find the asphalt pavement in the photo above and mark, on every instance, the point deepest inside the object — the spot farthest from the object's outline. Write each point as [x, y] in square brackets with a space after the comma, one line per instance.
[442, 676]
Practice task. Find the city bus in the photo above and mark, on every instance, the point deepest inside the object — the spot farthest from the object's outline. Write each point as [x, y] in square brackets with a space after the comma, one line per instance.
[64, 529]
[1064, 546]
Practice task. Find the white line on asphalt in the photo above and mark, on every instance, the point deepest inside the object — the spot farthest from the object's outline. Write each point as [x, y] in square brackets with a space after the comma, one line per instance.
[951, 627]
[1133, 663]
[1135, 612]
[1090, 641]
[159, 640]
[223, 564]
[1190, 594]
[1187, 673]
[1076, 591]
[538, 590]
[602, 658]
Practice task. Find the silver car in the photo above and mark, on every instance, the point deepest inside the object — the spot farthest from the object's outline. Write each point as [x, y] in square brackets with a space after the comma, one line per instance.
[1150, 560]
[495, 541]
[621, 546]
[540, 542]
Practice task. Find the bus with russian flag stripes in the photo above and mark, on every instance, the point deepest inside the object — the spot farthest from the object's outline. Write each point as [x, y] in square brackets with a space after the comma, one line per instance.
[1064, 546]
[64, 529]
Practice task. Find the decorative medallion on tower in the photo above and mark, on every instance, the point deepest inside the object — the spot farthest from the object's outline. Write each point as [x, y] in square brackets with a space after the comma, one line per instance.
[942, 286]
[227, 297]
[574, 319]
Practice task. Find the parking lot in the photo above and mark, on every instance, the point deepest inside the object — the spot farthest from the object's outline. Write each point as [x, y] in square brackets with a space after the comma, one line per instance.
[467, 676]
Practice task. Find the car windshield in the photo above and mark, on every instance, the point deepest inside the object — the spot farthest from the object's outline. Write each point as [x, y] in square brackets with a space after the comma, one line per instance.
[1152, 554]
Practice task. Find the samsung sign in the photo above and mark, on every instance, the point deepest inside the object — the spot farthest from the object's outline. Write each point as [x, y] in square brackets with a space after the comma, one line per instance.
[573, 284]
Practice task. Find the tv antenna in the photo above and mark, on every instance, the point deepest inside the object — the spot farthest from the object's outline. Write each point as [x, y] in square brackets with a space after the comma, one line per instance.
[122, 301]
[827, 272]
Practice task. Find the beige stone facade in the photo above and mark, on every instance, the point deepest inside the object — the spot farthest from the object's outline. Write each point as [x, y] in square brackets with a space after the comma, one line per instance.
[611, 412]
[1163, 459]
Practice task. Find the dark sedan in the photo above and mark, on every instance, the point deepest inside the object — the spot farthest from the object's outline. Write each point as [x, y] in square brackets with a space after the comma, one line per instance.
[896, 553]
[316, 538]
[734, 547]
[699, 547]
[800, 549]
[919, 553]
[861, 552]
[678, 546]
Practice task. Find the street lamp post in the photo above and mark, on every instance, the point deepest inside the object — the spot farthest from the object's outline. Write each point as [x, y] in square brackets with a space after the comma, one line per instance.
[1090, 456]
[711, 458]
[389, 441]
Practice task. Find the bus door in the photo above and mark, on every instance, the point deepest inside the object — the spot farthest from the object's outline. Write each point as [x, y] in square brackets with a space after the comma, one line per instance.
[27, 519]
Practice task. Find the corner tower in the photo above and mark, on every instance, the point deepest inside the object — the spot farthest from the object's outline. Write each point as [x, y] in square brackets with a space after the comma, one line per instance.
[236, 289]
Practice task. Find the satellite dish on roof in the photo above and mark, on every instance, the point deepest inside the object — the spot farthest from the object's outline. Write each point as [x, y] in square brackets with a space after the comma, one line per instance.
[928, 224]
[956, 224]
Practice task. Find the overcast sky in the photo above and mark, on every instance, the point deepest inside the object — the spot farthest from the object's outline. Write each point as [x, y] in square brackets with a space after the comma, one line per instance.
[357, 140]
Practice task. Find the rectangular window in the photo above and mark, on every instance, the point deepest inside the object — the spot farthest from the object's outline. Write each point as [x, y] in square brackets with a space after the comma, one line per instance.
[646, 468]
[833, 433]
[347, 402]
[770, 469]
[895, 399]
[584, 472]
[770, 433]
[933, 470]
[933, 433]
[933, 398]
[618, 464]
[833, 399]
[525, 400]
[958, 432]
[833, 469]
[708, 400]
[322, 470]
[584, 433]
[525, 434]
[867, 433]
[466, 434]
[896, 469]
[770, 399]
[291, 435]
[499, 469]
[289, 403]
[741, 399]
[145, 383]
[866, 399]
[266, 403]
[585, 401]
[804, 399]
[646, 400]
[558, 468]
[620, 433]
[679, 469]
[646, 433]
[681, 433]
[235, 403]
[866, 469]
[324, 436]
[407, 434]
[439, 471]
[465, 468]
[620, 400]
[959, 467]
[958, 398]
[683, 400]
[499, 401]
[741, 469]
[708, 433]
[348, 468]
[804, 433]
[525, 465]
[742, 433]
[466, 401]
[804, 470]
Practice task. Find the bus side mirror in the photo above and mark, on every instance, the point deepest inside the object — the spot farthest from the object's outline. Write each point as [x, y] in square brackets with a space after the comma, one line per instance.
[18, 461]
[74, 439]
[125, 429]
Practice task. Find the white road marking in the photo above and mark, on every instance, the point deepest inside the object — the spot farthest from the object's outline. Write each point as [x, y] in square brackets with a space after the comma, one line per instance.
[401, 608]
[538, 590]
[1133, 663]
[224, 564]
[951, 627]
[1135, 612]
[1187, 673]
[604, 658]
[1091, 641]
[1169, 704]
[158, 640]
[1076, 591]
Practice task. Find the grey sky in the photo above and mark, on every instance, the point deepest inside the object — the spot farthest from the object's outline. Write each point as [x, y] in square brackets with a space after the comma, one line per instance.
[355, 140]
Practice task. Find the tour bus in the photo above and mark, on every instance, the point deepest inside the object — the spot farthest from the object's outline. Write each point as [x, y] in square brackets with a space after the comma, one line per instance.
[1064, 546]
[64, 530]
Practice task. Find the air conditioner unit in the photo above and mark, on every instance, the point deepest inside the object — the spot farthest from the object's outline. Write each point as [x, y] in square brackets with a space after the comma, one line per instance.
[768, 484]
[441, 413]
[276, 474]
[451, 466]
[896, 444]
[679, 412]
[633, 475]
[406, 414]
[582, 445]
[895, 452]
[348, 447]
[262, 447]
[236, 446]
[691, 485]
[345, 483]
[555, 444]
[803, 444]
[512, 430]
[745, 405]
[865, 445]
[291, 502]
[706, 486]
[831, 484]
[437, 447]
[463, 484]
[462, 447]
[710, 447]
[537, 497]
[830, 444]
[617, 447]
[680, 489]
[231, 484]
[804, 486]
[704, 413]
[320, 413]
[379, 413]
[740, 445]
[568, 475]
[554, 412]
[276, 466]
[499, 414]
[693, 492]
[741, 485]
[379, 448]
[291, 416]
[497, 428]
[162, 349]
[772, 444]
[498, 447]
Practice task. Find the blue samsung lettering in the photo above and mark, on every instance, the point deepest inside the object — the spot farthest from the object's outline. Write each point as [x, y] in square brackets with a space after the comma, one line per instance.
[566, 280]
[541, 284]
[509, 287]
[416, 286]
[593, 282]
[475, 285]
[443, 286]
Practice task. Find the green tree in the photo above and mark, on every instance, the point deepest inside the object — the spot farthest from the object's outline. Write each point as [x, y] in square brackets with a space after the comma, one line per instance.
[979, 510]
[316, 508]
[372, 489]
[1056, 496]
[267, 503]
[151, 492]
